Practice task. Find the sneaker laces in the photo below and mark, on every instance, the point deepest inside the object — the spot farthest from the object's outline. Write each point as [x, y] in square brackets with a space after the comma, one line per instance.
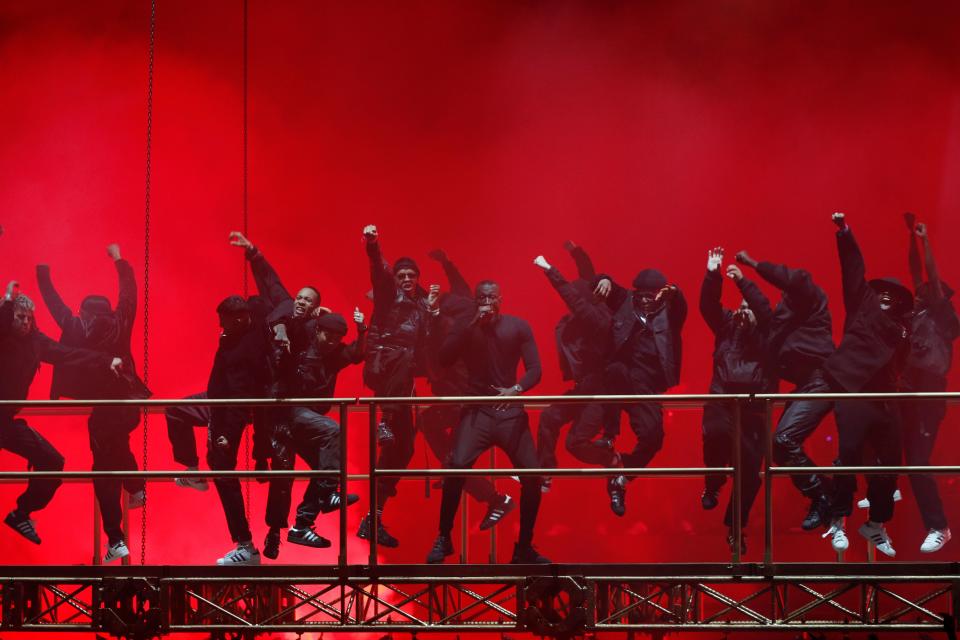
[835, 527]
[308, 534]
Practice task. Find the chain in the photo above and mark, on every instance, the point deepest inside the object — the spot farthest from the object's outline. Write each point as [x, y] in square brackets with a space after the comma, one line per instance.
[146, 273]
[246, 230]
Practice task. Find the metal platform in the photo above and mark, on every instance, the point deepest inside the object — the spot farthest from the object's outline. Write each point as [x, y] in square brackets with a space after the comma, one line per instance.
[558, 600]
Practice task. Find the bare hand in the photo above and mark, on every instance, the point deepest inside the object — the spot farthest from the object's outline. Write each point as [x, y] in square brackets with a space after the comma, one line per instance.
[439, 255]
[280, 337]
[319, 311]
[570, 245]
[237, 239]
[734, 273]
[505, 392]
[433, 297]
[603, 289]
[840, 220]
[665, 293]
[541, 262]
[116, 366]
[13, 289]
[358, 317]
[744, 258]
[921, 230]
[370, 233]
[113, 250]
[714, 258]
[910, 219]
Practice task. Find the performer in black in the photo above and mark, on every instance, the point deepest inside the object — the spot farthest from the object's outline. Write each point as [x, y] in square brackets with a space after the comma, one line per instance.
[492, 345]
[647, 347]
[99, 327]
[439, 421]
[870, 358]
[738, 367]
[799, 340]
[398, 332]
[583, 345]
[310, 371]
[935, 327]
[24, 347]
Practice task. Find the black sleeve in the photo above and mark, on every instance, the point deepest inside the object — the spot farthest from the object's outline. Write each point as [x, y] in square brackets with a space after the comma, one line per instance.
[757, 301]
[58, 309]
[532, 371]
[945, 315]
[53, 352]
[458, 284]
[384, 286]
[6, 317]
[127, 298]
[584, 264]
[711, 307]
[583, 309]
[677, 309]
[463, 312]
[267, 280]
[852, 270]
[795, 282]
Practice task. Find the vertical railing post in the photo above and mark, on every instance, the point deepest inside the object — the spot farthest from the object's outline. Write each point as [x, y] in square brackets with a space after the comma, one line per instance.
[125, 510]
[493, 530]
[768, 483]
[737, 479]
[464, 528]
[374, 519]
[97, 531]
[342, 557]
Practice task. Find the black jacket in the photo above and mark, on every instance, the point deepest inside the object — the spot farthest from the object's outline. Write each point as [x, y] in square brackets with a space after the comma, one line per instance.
[666, 325]
[800, 335]
[738, 355]
[307, 373]
[22, 356]
[79, 380]
[935, 327]
[583, 336]
[870, 355]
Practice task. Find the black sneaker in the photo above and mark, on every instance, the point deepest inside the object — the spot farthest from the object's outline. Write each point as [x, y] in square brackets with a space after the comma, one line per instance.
[709, 499]
[307, 537]
[22, 525]
[606, 443]
[442, 547]
[385, 435]
[496, 510]
[271, 544]
[527, 555]
[816, 515]
[384, 539]
[332, 503]
[617, 488]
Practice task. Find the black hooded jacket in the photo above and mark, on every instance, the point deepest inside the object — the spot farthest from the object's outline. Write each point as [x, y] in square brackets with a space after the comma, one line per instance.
[583, 336]
[871, 354]
[739, 355]
[102, 330]
[800, 336]
[935, 327]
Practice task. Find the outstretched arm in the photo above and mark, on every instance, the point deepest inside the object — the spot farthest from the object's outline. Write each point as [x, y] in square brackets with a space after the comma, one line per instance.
[264, 275]
[380, 276]
[913, 255]
[127, 298]
[710, 291]
[458, 284]
[853, 270]
[756, 300]
[585, 270]
[584, 309]
[58, 309]
[932, 274]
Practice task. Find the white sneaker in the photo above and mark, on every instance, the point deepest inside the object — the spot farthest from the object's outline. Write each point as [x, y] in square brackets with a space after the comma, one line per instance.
[837, 535]
[136, 500]
[935, 540]
[192, 483]
[244, 554]
[865, 503]
[876, 534]
[116, 551]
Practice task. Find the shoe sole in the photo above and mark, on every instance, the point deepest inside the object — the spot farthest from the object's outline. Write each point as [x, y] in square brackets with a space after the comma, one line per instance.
[21, 534]
[380, 543]
[326, 509]
[322, 544]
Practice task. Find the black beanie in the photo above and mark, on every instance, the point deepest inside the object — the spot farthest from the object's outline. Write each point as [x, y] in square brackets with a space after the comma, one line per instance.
[96, 305]
[333, 322]
[649, 280]
[405, 263]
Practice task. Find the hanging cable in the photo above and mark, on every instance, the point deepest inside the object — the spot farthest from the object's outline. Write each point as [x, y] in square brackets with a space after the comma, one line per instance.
[146, 271]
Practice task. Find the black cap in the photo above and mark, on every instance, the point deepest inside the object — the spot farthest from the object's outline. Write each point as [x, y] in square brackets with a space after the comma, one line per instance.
[333, 322]
[405, 263]
[900, 293]
[649, 280]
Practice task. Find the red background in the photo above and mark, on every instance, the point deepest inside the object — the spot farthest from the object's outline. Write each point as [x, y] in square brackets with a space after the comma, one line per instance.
[646, 132]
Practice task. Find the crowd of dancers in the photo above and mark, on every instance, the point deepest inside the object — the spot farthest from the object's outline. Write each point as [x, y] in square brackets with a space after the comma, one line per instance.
[613, 340]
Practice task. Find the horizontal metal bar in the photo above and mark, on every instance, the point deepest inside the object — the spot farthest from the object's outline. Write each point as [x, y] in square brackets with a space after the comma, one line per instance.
[592, 471]
[89, 475]
[906, 470]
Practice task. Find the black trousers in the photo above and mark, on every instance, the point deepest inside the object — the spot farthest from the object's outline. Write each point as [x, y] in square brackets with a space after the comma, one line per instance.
[481, 428]
[438, 424]
[109, 430]
[862, 423]
[799, 420]
[397, 454]
[223, 444]
[587, 422]
[315, 438]
[181, 422]
[921, 422]
[17, 437]
[718, 431]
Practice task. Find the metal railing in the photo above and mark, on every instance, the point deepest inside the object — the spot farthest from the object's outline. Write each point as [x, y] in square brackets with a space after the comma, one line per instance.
[371, 404]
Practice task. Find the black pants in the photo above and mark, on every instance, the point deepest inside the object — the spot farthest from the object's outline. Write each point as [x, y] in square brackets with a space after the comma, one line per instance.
[109, 429]
[861, 423]
[399, 453]
[921, 422]
[17, 437]
[718, 430]
[588, 421]
[223, 443]
[438, 424]
[798, 422]
[181, 422]
[315, 438]
[481, 428]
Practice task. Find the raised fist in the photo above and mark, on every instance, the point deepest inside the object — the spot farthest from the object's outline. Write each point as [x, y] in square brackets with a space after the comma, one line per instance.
[439, 255]
[370, 233]
[734, 273]
[840, 220]
[113, 250]
[541, 262]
